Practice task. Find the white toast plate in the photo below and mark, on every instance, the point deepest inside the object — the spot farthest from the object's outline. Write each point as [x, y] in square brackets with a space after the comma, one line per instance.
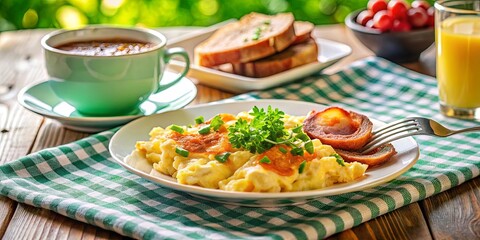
[330, 52]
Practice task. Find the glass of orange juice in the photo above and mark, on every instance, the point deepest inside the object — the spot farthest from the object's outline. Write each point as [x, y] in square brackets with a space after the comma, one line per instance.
[457, 37]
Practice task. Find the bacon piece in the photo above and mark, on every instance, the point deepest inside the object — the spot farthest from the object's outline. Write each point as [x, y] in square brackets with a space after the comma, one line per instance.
[373, 158]
[338, 128]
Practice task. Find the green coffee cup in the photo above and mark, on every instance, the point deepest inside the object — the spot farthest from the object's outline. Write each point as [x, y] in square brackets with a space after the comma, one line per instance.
[108, 85]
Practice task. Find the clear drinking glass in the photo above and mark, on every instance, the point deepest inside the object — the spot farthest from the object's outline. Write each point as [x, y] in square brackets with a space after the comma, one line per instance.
[457, 37]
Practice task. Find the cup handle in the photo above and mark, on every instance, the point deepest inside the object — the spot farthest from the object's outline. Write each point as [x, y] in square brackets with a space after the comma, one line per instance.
[166, 58]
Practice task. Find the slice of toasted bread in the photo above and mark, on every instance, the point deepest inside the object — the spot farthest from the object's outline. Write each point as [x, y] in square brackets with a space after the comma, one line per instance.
[291, 57]
[303, 31]
[253, 37]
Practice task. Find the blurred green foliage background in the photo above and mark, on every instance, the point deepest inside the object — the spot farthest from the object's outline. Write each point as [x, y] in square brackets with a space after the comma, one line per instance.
[25, 14]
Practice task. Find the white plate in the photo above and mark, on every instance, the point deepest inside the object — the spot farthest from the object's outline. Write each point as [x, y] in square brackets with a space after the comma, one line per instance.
[40, 98]
[330, 52]
[123, 143]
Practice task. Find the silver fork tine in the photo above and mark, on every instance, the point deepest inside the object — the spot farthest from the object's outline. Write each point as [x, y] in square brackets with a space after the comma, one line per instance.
[394, 131]
[391, 127]
[391, 132]
[392, 124]
[370, 147]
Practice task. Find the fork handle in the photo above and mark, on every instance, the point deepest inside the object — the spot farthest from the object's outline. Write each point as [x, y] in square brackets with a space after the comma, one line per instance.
[472, 129]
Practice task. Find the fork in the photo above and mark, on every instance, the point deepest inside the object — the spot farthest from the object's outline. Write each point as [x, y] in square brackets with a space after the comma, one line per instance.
[409, 127]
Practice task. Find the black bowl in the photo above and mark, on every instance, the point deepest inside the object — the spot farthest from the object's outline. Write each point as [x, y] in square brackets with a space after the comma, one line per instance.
[398, 47]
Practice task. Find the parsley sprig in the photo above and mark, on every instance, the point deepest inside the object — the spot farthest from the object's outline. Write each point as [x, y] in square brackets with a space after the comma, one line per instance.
[266, 130]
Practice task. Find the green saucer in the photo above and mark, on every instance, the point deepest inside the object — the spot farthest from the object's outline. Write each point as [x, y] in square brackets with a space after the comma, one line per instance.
[41, 99]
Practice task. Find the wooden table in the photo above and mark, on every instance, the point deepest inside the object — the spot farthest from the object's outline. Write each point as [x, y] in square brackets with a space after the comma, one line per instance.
[454, 214]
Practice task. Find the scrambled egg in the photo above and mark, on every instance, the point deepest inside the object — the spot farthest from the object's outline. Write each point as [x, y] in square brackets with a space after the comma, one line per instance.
[242, 170]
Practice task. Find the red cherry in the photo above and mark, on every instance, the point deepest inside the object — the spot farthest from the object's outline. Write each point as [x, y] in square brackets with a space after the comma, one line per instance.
[420, 3]
[398, 9]
[401, 26]
[370, 24]
[431, 16]
[383, 21]
[377, 5]
[364, 16]
[417, 17]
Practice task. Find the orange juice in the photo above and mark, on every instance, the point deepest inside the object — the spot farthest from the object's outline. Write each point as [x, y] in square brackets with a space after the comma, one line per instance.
[458, 61]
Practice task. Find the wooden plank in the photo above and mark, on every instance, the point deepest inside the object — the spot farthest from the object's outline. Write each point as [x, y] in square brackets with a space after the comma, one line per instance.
[18, 127]
[52, 134]
[7, 207]
[17, 131]
[37, 223]
[404, 223]
[207, 94]
[455, 214]
[18, 66]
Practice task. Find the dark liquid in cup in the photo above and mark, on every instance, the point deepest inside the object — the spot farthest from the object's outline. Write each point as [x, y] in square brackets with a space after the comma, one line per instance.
[106, 47]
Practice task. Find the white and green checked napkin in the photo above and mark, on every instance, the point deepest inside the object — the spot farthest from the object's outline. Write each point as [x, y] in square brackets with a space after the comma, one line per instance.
[80, 180]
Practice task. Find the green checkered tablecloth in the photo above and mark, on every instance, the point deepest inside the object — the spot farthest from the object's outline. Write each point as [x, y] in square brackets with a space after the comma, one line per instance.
[80, 180]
